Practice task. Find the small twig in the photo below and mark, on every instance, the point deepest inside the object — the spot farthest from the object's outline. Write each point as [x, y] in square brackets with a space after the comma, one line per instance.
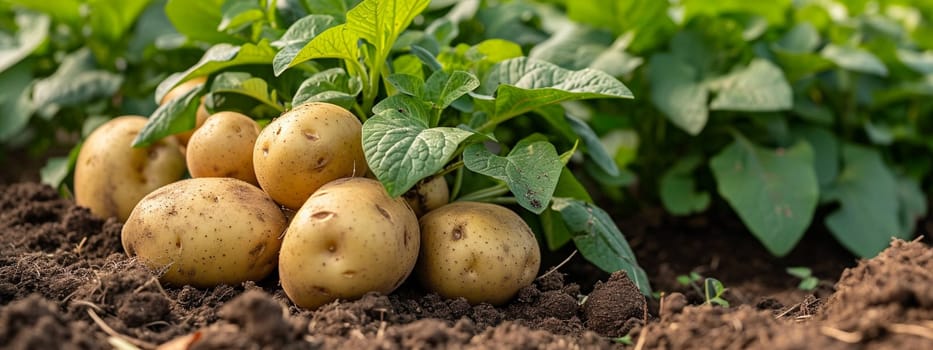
[789, 310]
[157, 284]
[841, 335]
[80, 245]
[642, 338]
[661, 306]
[562, 263]
[103, 325]
[88, 304]
[911, 329]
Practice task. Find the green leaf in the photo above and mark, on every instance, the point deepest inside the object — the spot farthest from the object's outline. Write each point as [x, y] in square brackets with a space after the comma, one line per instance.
[297, 36]
[217, 58]
[855, 59]
[531, 170]
[15, 105]
[757, 88]
[921, 62]
[236, 14]
[33, 30]
[335, 8]
[408, 64]
[801, 38]
[809, 283]
[678, 188]
[774, 11]
[600, 241]
[380, 22]
[244, 85]
[522, 85]
[198, 20]
[775, 192]
[409, 106]
[825, 152]
[175, 116]
[870, 213]
[555, 231]
[408, 84]
[649, 20]
[111, 19]
[678, 93]
[305, 29]
[57, 169]
[444, 88]
[333, 85]
[800, 272]
[75, 82]
[594, 146]
[335, 42]
[68, 11]
[912, 203]
[401, 150]
[54, 172]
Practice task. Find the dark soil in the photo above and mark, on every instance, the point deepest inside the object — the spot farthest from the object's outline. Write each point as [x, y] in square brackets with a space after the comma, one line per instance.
[65, 283]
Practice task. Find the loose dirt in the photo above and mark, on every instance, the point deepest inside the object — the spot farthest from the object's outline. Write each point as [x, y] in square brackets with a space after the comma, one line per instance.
[66, 283]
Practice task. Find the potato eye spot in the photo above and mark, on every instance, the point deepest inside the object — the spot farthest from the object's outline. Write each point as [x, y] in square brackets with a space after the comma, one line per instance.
[323, 215]
[310, 135]
[258, 249]
[457, 232]
[384, 212]
[332, 248]
[320, 163]
[349, 274]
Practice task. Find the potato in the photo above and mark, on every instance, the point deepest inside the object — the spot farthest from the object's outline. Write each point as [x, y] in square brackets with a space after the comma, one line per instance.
[223, 147]
[202, 114]
[482, 252]
[205, 232]
[306, 147]
[111, 176]
[427, 195]
[348, 239]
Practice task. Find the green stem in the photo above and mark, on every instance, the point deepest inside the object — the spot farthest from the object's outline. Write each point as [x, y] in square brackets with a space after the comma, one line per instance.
[458, 183]
[359, 112]
[501, 200]
[270, 13]
[486, 193]
[450, 168]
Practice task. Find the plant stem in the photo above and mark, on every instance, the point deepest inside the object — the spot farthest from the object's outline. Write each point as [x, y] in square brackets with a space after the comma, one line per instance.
[501, 200]
[450, 168]
[458, 183]
[486, 193]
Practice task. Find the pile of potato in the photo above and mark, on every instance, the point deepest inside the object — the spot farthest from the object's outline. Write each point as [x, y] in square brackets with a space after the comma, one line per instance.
[343, 236]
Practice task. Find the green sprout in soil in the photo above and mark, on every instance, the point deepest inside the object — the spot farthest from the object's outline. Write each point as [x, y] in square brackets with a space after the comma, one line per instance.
[712, 289]
[807, 281]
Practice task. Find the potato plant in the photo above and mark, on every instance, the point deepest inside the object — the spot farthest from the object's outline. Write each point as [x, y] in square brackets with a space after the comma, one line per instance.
[346, 95]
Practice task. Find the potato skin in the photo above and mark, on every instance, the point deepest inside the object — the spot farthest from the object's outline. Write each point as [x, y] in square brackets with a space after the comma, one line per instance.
[482, 252]
[111, 176]
[306, 147]
[202, 114]
[223, 147]
[427, 195]
[205, 232]
[348, 239]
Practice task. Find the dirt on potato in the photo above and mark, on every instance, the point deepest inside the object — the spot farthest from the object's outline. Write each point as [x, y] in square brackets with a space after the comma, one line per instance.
[66, 283]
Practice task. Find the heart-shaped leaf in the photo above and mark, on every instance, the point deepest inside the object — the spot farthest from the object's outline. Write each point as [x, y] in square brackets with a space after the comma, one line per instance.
[531, 170]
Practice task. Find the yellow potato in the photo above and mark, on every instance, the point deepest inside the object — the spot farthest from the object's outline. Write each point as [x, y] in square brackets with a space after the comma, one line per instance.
[202, 114]
[306, 147]
[427, 195]
[223, 147]
[205, 232]
[482, 252]
[348, 239]
[111, 176]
